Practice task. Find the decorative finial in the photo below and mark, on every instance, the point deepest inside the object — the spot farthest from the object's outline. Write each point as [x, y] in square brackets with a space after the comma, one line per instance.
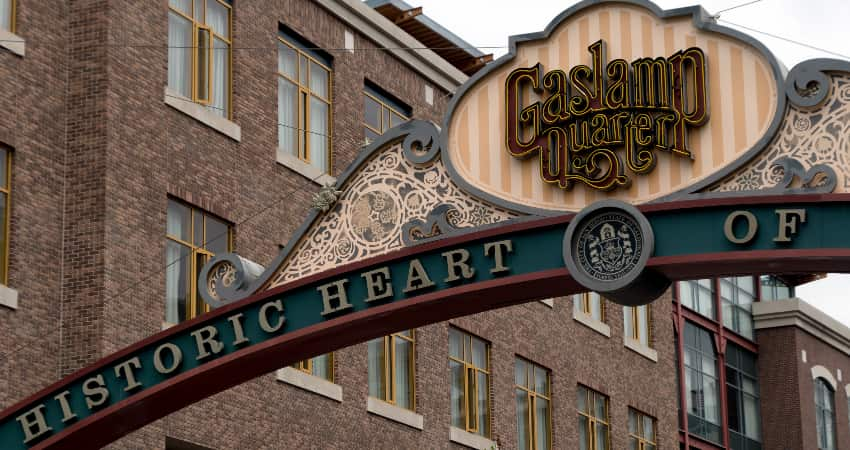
[326, 197]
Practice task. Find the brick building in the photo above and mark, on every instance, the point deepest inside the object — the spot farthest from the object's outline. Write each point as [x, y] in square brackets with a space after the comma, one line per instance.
[141, 138]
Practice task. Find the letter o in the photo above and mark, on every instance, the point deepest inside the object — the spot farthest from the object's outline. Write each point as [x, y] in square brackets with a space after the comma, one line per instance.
[752, 227]
[176, 355]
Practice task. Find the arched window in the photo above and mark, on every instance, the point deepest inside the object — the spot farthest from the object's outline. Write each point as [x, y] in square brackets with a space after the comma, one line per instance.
[825, 414]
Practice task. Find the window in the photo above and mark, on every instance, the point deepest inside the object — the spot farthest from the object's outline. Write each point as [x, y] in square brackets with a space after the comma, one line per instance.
[589, 304]
[303, 101]
[5, 191]
[392, 368]
[534, 414]
[199, 52]
[192, 237]
[637, 324]
[321, 366]
[7, 15]
[742, 393]
[738, 294]
[825, 414]
[641, 431]
[698, 295]
[381, 112]
[592, 420]
[701, 383]
[469, 361]
[773, 288]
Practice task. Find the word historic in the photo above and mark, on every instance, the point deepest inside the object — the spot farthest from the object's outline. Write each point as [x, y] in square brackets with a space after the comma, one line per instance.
[592, 110]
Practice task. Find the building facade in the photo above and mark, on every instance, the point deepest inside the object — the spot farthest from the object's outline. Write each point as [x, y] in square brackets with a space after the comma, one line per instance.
[140, 139]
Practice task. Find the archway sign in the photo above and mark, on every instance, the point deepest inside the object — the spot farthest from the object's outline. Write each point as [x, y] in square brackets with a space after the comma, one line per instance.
[621, 148]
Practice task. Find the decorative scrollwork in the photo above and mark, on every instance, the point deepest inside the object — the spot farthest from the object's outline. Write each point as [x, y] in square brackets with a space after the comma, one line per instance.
[436, 225]
[818, 179]
[227, 278]
[422, 145]
[325, 198]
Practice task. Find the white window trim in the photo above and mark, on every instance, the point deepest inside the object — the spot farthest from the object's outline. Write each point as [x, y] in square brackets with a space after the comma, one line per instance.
[823, 372]
[395, 413]
[8, 297]
[310, 383]
[307, 170]
[12, 42]
[470, 440]
[847, 390]
[641, 349]
[550, 302]
[592, 323]
[201, 114]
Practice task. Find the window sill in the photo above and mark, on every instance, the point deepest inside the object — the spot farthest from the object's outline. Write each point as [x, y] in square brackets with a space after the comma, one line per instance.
[306, 170]
[470, 440]
[310, 383]
[641, 349]
[8, 297]
[550, 302]
[12, 42]
[395, 413]
[592, 323]
[199, 113]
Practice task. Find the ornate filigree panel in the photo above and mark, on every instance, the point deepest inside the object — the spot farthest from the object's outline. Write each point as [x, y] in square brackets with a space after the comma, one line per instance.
[369, 218]
[814, 144]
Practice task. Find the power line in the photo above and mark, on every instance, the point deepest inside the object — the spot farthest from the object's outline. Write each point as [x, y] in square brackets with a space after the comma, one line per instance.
[717, 14]
[775, 36]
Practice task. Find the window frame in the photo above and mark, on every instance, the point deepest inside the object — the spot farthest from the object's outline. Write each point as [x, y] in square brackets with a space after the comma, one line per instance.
[469, 366]
[13, 4]
[306, 366]
[827, 387]
[196, 26]
[195, 305]
[592, 419]
[735, 383]
[632, 312]
[585, 305]
[642, 441]
[388, 365]
[732, 321]
[699, 381]
[303, 127]
[6, 189]
[531, 397]
[385, 103]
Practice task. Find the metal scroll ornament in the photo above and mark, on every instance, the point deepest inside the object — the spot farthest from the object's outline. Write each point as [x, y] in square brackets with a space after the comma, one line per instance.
[606, 248]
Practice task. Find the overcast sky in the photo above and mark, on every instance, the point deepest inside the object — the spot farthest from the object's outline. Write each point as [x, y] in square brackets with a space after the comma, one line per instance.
[817, 23]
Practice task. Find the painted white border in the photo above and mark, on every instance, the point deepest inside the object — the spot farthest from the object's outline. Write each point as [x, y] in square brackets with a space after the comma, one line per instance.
[595, 325]
[201, 114]
[8, 297]
[550, 302]
[823, 372]
[12, 42]
[642, 350]
[310, 383]
[395, 413]
[470, 440]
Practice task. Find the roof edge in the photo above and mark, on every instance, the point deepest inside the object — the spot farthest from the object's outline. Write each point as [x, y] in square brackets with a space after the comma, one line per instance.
[794, 312]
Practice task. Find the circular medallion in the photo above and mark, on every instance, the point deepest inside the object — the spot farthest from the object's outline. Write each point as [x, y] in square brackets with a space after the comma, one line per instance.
[606, 248]
[375, 216]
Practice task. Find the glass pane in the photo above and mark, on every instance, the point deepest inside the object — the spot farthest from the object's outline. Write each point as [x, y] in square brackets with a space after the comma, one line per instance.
[455, 344]
[199, 307]
[177, 221]
[685, 294]
[541, 385]
[520, 373]
[184, 6]
[216, 237]
[396, 119]
[372, 112]
[377, 359]
[746, 283]
[541, 426]
[303, 70]
[287, 61]
[177, 277]
[220, 78]
[369, 135]
[319, 80]
[180, 54]
[595, 305]
[4, 170]
[483, 409]
[319, 132]
[633, 425]
[752, 420]
[199, 10]
[202, 65]
[217, 18]
[599, 407]
[458, 395]
[628, 325]
[583, 433]
[479, 353]
[648, 428]
[197, 228]
[385, 124]
[643, 324]
[287, 116]
[4, 248]
[322, 367]
[581, 400]
[522, 427]
[403, 373]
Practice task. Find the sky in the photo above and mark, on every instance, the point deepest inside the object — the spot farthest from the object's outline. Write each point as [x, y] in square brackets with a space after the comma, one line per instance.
[817, 23]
